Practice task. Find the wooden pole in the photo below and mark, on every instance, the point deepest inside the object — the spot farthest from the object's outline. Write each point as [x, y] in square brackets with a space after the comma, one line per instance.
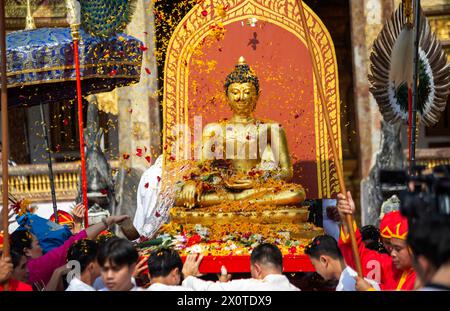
[5, 134]
[337, 163]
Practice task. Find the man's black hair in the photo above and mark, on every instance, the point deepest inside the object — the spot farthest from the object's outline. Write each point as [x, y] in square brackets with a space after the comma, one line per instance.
[430, 237]
[20, 239]
[323, 245]
[84, 251]
[119, 252]
[267, 253]
[162, 262]
[370, 232]
[371, 238]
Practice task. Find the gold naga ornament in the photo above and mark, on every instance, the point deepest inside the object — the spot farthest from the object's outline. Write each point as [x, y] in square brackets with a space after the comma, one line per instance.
[391, 73]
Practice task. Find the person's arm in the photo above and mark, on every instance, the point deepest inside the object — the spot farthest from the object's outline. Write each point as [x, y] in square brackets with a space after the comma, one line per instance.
[94, 230]
[42, 268]
[78, 215]
[6, 269]
[191, 280]
[370, 260]
[55, 283]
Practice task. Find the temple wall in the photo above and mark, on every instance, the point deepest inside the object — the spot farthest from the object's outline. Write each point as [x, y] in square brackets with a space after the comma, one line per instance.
[139, 115]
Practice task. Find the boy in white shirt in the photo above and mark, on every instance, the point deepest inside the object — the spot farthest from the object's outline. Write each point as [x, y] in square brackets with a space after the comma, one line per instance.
[266, 267]
[85, 253]
[328, 261]
[118, 259]
[164, 269]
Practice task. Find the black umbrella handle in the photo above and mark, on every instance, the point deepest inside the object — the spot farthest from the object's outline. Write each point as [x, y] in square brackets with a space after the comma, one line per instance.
[49, 162]
[415, 84]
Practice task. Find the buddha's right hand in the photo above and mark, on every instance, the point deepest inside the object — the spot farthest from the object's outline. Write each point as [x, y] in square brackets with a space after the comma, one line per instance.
[239, 184]
[188, 194]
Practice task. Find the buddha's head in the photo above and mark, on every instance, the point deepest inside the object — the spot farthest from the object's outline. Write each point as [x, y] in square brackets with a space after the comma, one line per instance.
[242, 89]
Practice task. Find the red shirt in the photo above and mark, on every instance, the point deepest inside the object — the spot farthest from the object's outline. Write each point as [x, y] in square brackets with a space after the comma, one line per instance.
[16, 286]
[377, 266]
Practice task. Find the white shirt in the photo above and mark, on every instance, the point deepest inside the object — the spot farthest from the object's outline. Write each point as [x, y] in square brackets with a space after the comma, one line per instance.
[77, 285]
[147, 195]
[347, 281]
[133, 289]
[163, 287]
[100, 285]
[272, 282]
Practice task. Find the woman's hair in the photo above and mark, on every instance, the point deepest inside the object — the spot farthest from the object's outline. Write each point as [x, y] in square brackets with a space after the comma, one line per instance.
[119, 252]
[21, 239]
[16, 257]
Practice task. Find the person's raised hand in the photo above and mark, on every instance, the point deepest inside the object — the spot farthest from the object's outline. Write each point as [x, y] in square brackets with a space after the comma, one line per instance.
[6, 268]
[78, 213]
[345, 205]
[191, 265]
[111, 220]
[224, 276]
[141, 266]
[362, 284]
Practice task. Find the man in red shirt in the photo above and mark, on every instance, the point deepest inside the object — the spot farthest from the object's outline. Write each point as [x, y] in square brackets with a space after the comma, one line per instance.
[6, 270]
[394, 270]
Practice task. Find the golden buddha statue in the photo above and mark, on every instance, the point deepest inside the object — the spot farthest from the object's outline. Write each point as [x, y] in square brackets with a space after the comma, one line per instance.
[236, 150]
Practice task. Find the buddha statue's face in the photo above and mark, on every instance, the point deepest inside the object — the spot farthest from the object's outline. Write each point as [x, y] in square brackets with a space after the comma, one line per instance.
[242, 98]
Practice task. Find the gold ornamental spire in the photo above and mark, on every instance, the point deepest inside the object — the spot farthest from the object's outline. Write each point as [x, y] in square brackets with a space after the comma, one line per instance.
[29, 21]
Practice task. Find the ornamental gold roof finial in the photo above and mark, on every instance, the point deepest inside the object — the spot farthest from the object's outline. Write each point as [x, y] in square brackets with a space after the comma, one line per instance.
[29, 21]
[242, 61]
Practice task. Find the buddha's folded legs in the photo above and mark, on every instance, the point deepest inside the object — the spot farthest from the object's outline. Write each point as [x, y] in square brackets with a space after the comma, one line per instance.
[292, 194]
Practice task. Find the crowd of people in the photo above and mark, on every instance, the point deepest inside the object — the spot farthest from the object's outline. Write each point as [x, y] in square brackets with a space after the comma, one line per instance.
[393, 257]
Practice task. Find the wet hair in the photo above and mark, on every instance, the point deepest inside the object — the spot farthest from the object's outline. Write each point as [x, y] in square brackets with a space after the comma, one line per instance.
[21, 239]
[119, 252]
[84, 251]
[430, 237]
[162, 262]
[267, 253]
[242, 73]
[323, 245]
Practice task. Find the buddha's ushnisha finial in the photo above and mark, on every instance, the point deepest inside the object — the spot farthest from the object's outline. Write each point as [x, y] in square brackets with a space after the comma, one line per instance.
[242, 73]
[242, 61]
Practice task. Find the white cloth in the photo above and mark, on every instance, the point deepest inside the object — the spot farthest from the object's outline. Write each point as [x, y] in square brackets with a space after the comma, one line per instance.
[77, 285]
[272, 282]
[147, 195]
[347, 281]
[164, 287]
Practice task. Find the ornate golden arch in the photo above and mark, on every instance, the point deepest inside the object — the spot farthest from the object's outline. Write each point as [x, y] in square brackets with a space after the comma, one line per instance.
[285, 14]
